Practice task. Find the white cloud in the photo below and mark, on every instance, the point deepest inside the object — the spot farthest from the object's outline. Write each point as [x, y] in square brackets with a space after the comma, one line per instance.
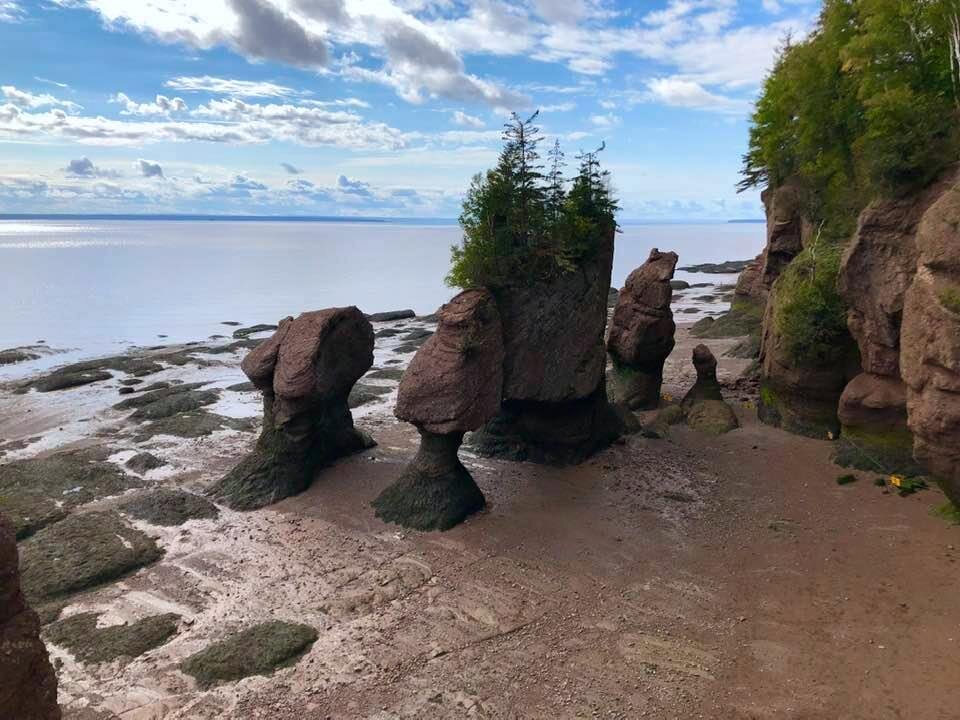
[47, 81]
[291, 169]
[227, 86]
[558, 107]
[461, 118]
[10, 11]
[224, 121]
[162, 105]
[606, 121]
[683, 93]
[32, 101]
[84, 167]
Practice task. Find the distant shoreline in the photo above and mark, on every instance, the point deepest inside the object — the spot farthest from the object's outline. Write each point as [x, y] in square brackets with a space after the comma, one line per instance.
[160, 217]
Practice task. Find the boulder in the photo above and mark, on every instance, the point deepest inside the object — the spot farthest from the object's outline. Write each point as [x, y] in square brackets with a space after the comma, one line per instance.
[930, 345]
[28, 685]
[707, 387]
[642, 332]
[454, 384]
[555, 408]
[305, 371]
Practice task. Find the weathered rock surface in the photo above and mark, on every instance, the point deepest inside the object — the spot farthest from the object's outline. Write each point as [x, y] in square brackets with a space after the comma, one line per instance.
[786, 230]
[930, 344]
[454, 384]
[642, 332]
[750, 282]
[555, 408]
[28, 685]
[305, 371]
[707, 387]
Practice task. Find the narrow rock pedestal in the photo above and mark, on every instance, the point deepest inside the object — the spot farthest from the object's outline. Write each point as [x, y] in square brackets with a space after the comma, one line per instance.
[453, 385]
[435, 491]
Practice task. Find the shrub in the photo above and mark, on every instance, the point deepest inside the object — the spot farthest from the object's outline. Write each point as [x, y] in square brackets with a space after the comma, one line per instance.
[810, 316]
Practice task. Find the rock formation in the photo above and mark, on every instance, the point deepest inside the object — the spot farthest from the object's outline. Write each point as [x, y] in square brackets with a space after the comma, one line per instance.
[305, 372]
[707, 387]
[877, 268]
[555, 407]
[641, 333]
[28, 685]
[799, 397]
[454, 385]
[787, 230]
[930, 344]
[750, 285]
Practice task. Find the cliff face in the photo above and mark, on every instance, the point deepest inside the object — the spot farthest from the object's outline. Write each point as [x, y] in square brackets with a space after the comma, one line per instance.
[799, 396]
[897, 406]
[930, 343]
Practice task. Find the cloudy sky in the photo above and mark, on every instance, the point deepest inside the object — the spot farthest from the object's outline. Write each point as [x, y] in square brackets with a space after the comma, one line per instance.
[372, 107]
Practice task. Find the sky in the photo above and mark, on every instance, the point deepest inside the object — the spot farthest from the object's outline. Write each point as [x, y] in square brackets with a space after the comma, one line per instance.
[380, 108]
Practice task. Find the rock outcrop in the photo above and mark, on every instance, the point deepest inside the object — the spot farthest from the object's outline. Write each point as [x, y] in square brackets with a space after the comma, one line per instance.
[642, 333]
[555, 407]
[28, 685]
[787, 230]
[305, 372]
[930, 344]
[750, 285]
[454, 385]
[877, 268]
[707, 387]
[800, 397]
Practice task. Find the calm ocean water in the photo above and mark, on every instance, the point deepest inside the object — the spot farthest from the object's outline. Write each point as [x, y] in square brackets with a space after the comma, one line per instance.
[100, 286]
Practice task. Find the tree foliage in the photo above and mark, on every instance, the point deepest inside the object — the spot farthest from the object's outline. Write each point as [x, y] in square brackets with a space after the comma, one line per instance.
[521, 224]
[865, 107]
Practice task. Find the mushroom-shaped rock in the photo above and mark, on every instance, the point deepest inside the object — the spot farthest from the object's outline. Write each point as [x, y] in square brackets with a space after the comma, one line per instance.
[453, 385]
[28, 685]
[305, 372]
[707, 386]
[641, 332]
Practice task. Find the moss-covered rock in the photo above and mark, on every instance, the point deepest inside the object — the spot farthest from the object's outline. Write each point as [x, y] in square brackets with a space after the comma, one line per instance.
[65, 380]
[258, 650]
[35, 493]
[16, 355]
[712, 416]
[435, 491]
[362, 393]
[386, 374]
[888, 450]
[144, 462]
[167, 507]
[744, 318]
[169, 401]
[198, 423]
[80, 552]
[88, 643]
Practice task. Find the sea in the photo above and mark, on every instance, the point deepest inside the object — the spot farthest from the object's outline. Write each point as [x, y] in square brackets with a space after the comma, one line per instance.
[90, 286]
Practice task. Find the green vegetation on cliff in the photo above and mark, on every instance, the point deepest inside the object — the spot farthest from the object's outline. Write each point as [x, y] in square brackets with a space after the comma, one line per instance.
[865, 107]
[521, 224]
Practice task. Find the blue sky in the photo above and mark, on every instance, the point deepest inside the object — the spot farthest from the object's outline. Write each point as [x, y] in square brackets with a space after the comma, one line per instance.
[373, 107]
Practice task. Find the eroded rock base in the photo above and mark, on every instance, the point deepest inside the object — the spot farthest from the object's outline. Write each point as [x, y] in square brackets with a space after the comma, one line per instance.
[286, 459]
[564, 433]
[435, 491]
